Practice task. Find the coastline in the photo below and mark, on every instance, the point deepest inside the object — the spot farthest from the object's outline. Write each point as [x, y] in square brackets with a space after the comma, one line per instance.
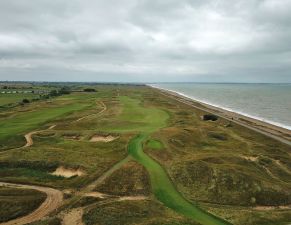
[266, 128]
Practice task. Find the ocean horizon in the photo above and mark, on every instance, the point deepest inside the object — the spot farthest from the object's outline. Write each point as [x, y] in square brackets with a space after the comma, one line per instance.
[267, 102]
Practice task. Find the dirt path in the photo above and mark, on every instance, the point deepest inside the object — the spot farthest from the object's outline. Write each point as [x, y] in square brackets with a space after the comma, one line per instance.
[28, 136]
[96, 114]
[100, 179]
[73, 217]
[53, 201]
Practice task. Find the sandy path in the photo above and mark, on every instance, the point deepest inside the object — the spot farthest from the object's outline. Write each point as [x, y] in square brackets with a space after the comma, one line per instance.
[132, 198]
[73, 217]
[96, 114]
[28, 136]
[100, 179]
[53, 201]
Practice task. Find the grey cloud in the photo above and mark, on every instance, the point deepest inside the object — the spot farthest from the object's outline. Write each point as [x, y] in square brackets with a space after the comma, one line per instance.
[146, 40]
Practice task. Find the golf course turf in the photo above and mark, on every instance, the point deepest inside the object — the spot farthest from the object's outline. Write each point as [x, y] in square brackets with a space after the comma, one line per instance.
[31, 120]
[162, 186]
[144, 158]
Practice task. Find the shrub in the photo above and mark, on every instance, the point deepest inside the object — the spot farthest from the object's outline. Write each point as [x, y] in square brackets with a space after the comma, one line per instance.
[25, 101]
[210, 117]
[89, 90]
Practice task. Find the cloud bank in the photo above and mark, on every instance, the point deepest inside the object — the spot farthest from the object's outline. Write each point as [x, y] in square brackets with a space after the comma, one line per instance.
[146, 40]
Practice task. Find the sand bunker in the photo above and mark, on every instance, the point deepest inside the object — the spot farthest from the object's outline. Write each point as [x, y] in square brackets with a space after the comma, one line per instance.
[65, 172]
[100, 138]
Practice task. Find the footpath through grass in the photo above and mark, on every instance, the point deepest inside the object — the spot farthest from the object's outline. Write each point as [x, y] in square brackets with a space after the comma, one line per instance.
[145, 121]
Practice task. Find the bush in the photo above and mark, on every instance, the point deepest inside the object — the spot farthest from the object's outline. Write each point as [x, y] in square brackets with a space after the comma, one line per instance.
[89, 90]
[25, 101]
[65, 91]
[210, 117]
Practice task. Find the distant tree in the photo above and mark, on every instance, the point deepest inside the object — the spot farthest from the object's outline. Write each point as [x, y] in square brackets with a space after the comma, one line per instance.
[53, 93]
[25, 101]
[65, 90]
[5, 87]
[89, 90]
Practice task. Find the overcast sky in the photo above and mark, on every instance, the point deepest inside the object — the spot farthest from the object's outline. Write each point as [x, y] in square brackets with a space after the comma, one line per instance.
[146, 40]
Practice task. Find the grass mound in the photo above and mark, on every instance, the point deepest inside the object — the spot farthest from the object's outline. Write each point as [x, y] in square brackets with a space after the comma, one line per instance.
[154, 144]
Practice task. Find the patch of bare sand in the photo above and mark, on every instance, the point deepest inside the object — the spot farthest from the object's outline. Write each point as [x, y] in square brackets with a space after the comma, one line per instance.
[66, 172]
[266, 208]
[250, 158]
[73, 217]
[132, 198]
[100, 138]
[96, 194]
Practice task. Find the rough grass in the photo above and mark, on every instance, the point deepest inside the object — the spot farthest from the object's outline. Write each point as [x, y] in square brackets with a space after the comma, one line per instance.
[15, 202]
[6, 99]
[207, 162]
[134, 212]
[131, 179]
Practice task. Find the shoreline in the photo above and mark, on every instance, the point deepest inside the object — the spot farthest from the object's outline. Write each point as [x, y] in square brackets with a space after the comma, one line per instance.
[264, 127]
[201, 101]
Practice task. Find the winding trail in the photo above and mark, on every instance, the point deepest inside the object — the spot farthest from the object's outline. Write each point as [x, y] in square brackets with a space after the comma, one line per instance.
[53, 201]
[28, 136]
[100, 179]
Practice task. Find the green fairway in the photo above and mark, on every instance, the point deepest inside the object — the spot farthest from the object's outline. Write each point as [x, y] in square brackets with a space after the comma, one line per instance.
[146, 121]
[134, 117]
[163, 188]
[31, 120]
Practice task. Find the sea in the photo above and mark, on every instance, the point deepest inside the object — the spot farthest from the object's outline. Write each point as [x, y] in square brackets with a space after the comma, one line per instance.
[270, 103]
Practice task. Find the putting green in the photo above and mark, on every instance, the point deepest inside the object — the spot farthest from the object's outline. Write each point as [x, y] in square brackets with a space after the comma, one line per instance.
[154, 144]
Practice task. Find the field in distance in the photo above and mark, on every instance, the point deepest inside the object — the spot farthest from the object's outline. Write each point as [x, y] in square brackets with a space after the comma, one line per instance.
[128, 154]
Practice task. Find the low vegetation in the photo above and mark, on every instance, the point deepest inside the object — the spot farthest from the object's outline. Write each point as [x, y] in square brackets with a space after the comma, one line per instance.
[178, 161]
[18, 202]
